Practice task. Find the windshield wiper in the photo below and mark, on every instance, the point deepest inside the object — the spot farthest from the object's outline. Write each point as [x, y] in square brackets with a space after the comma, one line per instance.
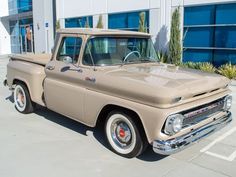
[148, 61]
[139, 61]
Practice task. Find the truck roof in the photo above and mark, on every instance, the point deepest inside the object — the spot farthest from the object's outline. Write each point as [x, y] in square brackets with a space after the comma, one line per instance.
[96, 31]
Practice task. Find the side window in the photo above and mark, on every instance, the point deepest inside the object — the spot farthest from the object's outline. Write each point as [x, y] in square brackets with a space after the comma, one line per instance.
[69, 49]
[98, 49]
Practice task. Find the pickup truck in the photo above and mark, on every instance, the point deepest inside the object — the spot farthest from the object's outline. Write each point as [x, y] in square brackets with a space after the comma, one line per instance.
[113, 79]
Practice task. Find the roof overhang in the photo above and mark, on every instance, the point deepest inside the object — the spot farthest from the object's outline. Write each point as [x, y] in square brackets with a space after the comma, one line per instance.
[18, 16]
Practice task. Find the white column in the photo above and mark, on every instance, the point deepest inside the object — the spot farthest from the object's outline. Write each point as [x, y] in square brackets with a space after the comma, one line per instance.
[155, 26]
[166, 9]
[5, 43]
[62, 23]
[165, 22]
[43, 34]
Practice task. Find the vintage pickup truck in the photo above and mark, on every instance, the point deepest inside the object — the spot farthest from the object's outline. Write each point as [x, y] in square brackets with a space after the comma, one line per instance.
[113, 78]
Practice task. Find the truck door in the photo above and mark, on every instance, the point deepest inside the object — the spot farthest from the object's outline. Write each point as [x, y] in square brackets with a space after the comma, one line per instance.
[63, 86]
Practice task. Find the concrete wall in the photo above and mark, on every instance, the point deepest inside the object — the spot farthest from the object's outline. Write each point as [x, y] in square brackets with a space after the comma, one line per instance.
[5, 46]
[43, 35]
[67, 8]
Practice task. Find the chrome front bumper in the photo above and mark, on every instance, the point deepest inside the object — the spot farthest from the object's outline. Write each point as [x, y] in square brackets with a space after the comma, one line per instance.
[172, 146]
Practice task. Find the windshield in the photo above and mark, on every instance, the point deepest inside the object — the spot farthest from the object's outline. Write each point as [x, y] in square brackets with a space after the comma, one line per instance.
[101, 51]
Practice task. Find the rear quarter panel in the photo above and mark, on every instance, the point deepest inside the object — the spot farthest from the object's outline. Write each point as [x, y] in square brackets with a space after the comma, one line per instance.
[31, 74]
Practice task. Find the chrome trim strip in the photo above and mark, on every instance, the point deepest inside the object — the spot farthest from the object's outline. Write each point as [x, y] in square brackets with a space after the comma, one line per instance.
[172, 146]
[204, 109]
[203, 112]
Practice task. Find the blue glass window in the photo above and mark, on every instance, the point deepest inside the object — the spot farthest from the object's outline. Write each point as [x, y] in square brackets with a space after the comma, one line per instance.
[70, 47]
[19, 6]
[127, 21]
[226, 14]
[225, 37]
[24, 5]
[79, 22]
[210, 33]
[118, 21]
[133, 20]
[197, 55]
[201, 15]
[224, 56]
[196, 37]
[26, 21]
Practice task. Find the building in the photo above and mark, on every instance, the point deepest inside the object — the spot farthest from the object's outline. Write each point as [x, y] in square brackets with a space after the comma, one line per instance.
[26, 26]
[208, 27]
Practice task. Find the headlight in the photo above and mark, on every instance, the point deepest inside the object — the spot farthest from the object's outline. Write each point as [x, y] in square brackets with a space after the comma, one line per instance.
[174, 124]
[227, 102]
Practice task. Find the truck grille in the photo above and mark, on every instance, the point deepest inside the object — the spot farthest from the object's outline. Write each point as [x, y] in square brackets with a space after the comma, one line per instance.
[200, 113]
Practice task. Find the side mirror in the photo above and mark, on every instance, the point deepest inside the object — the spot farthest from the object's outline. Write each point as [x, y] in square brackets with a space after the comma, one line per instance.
[67, 60]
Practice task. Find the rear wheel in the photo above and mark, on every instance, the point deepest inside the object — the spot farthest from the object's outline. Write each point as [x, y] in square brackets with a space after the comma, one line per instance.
[123, 135]
[23, 102]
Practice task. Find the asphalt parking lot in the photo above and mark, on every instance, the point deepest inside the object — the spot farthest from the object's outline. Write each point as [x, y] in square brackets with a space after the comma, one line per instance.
[48, 144]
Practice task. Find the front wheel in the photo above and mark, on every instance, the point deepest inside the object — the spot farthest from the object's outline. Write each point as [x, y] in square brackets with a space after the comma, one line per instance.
[123, 135]
[22, 99]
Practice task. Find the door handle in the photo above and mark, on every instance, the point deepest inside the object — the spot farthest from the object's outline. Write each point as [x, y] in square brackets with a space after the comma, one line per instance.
[50, 68]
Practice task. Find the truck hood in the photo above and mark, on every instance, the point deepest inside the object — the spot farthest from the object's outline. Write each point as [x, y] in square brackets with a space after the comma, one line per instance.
[159, 84]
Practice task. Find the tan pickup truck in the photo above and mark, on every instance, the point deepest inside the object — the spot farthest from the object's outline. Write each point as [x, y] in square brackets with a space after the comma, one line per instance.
[114, 79]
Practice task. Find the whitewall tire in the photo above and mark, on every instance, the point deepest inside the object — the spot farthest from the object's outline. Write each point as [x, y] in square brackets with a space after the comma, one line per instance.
[22, 99]
[123, 135]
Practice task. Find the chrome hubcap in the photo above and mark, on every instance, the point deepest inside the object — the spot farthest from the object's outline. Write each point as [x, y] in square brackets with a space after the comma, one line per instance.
[121, 134]
[20, 98]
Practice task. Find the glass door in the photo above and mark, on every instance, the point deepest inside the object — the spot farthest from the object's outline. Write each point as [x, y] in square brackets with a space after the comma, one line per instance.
[26, 38]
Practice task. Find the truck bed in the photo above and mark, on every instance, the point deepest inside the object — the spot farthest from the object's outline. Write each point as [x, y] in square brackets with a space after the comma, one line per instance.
[41, 59]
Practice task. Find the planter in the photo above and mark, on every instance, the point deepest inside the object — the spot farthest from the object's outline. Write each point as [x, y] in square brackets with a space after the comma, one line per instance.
[233, 82]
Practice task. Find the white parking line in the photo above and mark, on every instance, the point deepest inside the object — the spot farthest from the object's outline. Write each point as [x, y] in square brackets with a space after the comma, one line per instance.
[220, 138]
[229, 158]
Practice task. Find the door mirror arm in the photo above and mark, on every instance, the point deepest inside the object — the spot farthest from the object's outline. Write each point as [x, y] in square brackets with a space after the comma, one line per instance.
[68, 68]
